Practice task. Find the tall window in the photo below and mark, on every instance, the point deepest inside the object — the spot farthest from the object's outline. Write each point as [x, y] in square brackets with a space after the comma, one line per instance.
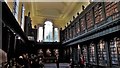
[48, 31]
[56, 35]
[40, 34]
[50, 34]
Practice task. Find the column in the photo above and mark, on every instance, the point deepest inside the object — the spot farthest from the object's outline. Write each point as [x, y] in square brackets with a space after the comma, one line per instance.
[94, 18]
[14, 53]
[75, 29]
[53, 34]
[103, 10]
[96, 53]
[61, 36]
[75, 56]
[43, 32]
[22, 17]
[8, 55]
[61, 54]
[12, 49]
[118, 3]
[70, 31]
[85, 24]
[79, 27]
[65, 33]
[16, 8]
[87, 63]
[73, 51]
[72, 34]
[68, 54]
[108, 52]
[88, 54]
[79, 52]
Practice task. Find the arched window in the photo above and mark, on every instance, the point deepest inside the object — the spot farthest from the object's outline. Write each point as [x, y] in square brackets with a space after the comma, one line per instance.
[48, 31]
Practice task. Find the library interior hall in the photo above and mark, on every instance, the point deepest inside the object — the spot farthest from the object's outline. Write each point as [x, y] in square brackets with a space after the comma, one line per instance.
[59, 34]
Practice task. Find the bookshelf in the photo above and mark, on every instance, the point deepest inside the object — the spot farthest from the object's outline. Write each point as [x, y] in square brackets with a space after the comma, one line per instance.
[82, 23]
[98, 12]
[92, 54]
[85, 52]
[89, 19]
[110, 9]
[102, 53]
[114, 48]
[77, 27]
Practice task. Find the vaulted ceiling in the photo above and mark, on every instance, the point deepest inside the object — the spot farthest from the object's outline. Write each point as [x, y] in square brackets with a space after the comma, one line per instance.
[59, 13]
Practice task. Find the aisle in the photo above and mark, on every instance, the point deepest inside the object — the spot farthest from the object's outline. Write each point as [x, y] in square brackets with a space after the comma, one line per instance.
[53, 65]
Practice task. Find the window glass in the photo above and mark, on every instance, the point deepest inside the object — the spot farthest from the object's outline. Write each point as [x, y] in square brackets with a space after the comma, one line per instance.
[40, 34]
[48, 31]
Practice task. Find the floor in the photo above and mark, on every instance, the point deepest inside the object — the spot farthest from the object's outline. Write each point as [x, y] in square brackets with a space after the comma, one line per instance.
[53, 65]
